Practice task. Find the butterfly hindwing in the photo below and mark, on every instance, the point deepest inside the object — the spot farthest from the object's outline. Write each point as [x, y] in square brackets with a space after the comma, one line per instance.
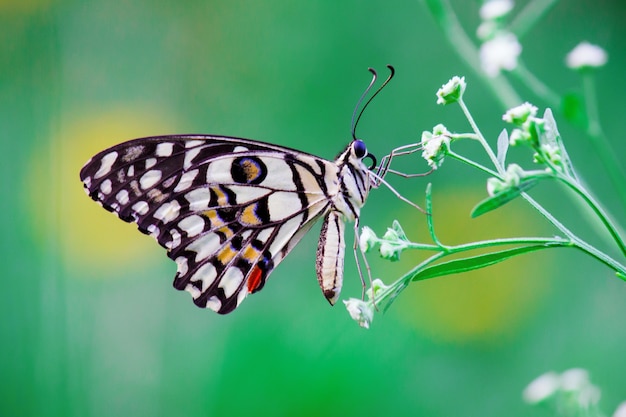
[227, 210]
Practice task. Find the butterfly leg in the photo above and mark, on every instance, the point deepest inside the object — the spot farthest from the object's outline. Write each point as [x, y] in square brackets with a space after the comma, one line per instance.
[385, 162]
[356, 248]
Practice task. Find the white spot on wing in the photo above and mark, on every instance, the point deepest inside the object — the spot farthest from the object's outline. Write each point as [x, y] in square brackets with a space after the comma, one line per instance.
[285, 233]
[122, 197]
[198, 199]
[131, 171]
[132, 153]
[218, 171]
[231, 280]
[164, 149]
[150, 178]
[87, 182]
[282, 205]
[240, 149]
[265, 234]
[150, 162]
[195, 293]
[192, 143]
[241, 296]
[167, 212]
[280, 177]
[185, 180]
[182, 266]
[168, 182]
[105, 164]
[214, 304]
[189, 156]
[141, 207]
[246, 193]
[176, 239]
[154, 231]
[205, 246]
[192, 225]
[205, 274]
[105, 187]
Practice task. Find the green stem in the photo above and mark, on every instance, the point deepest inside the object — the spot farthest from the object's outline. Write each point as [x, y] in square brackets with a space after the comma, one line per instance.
[465, 48]
[537, 86]
[473, 164]
[595, 206]
[404, 280]
[530, 15]
[602, 146]
[576, 241]
[481, 138]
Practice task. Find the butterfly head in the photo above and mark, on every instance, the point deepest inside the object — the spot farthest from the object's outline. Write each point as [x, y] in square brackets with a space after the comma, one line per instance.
[358, 150]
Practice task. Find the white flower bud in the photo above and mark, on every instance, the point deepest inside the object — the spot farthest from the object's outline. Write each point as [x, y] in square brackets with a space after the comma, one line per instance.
[586, 55]
[500, 53]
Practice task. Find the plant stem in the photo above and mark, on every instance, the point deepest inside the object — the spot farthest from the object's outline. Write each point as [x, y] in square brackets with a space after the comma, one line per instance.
[537, 86]
[604, 217]
[602, 146]
[530, 15]
[481, 138]
[473, 164]
[465, 48]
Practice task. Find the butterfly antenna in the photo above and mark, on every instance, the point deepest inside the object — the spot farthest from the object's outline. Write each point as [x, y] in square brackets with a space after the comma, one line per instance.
[392, 71]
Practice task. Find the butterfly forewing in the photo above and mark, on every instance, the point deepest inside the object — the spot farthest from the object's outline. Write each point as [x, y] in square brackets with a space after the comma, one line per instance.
[228, 210]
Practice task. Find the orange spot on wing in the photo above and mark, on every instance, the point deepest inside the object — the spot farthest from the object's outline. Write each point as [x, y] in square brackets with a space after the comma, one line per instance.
[226, 255]
[255, 279]
[249, 217]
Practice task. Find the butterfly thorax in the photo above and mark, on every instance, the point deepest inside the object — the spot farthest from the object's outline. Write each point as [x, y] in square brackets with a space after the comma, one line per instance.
[353, 184]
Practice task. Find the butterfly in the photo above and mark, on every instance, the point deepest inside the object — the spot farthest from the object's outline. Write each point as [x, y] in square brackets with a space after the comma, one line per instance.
[228, 210]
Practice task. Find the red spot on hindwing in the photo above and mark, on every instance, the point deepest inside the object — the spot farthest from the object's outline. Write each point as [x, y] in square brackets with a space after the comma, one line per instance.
[255, 279]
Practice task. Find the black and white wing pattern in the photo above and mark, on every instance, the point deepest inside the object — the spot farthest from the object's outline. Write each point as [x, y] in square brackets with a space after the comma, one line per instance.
[228, 210]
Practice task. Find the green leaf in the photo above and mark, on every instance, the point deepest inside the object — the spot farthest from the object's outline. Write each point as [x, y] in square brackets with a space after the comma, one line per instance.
[503, 197]
[574, 110]
[503, 146]
[399, 231]
[553, 136]
[458, 266]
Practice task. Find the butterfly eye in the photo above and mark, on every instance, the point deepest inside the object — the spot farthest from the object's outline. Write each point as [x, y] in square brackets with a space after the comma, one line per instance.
[360, 150]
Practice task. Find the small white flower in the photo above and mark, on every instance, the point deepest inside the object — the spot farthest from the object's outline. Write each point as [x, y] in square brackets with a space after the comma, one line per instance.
[495, 9]
[586, 55]
[360, 311]
[377, 286]
[487, 30]
[518, 136]
[500, 53]
[574, 379]
[511, 178]
[589, 396]
[434, 145]
[551, 152]
[543, 387]
[451, 91]
[621, 410]
[518, 115]
[368, 239]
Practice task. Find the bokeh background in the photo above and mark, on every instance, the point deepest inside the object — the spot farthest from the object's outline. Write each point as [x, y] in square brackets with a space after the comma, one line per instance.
[90, 325]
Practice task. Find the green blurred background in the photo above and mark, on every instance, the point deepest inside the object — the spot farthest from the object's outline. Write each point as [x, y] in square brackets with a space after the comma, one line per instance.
[90, 323]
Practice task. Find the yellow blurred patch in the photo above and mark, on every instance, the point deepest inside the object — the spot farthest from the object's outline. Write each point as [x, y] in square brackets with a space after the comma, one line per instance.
[487, 304]
[88, 237]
